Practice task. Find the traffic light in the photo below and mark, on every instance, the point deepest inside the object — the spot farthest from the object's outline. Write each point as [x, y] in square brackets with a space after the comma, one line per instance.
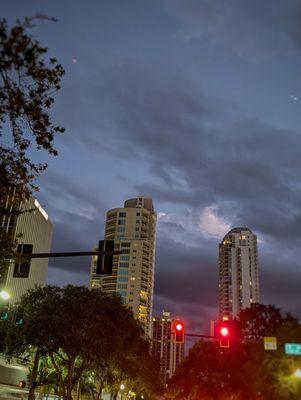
[104, 263]
[4, 314]
[21, 269]
[19, 320]
[178, 330]
[224, 331]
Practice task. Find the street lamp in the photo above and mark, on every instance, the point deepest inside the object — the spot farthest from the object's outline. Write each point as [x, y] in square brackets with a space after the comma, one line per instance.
[297, 373]
[122, 387]
[4, 295]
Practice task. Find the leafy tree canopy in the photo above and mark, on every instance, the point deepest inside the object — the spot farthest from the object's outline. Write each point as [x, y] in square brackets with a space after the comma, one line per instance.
[27, 84]
[79, 331]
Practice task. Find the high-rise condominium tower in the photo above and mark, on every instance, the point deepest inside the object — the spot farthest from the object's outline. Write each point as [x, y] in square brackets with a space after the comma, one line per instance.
[238, 272]
[32, 229]
[164, 346]
[133, 228]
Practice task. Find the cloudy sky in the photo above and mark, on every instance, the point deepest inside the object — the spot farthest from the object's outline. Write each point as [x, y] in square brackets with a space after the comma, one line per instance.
[194, 103]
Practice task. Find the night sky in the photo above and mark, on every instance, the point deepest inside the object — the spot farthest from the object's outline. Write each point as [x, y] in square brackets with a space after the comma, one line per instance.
[194, 103]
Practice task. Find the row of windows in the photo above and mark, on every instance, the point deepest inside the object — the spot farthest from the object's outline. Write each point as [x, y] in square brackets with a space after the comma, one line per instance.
[124, 258]
[122, 286]
[123, 272]
[124, 265]
[122, 214]
[123, 279]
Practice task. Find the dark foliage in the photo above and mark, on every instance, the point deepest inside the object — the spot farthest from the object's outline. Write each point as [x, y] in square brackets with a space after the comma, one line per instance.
[28, 83]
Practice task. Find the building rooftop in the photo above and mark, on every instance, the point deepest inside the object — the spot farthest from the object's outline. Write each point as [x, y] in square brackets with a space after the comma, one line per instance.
[240, 229]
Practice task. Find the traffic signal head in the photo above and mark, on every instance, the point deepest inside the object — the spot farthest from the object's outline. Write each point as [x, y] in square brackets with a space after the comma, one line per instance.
[4, 313]
[19, 320]
[178, 330]
[4, 316]
[224, 334]
[104, 264]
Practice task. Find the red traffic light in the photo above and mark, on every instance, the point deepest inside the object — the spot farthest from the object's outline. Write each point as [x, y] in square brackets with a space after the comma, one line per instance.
[224, 334]
[224, 331]
[178, 330]
[179, 327]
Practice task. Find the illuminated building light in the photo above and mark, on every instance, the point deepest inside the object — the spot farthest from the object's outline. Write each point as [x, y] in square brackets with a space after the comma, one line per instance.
[40, 208]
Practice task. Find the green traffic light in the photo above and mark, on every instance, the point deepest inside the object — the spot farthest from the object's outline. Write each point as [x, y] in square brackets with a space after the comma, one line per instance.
[19, 321]
[4, 316]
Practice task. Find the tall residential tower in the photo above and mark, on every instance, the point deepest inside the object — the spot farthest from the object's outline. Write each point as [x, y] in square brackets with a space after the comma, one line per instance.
[164, 346]
[133, 229]
[238, 272]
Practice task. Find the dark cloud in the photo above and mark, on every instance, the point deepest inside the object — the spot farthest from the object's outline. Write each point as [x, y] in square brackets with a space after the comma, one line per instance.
[202, 152]
[186, 273]
[60, 188]
[78, 218]
[281, 286]
[249, 28]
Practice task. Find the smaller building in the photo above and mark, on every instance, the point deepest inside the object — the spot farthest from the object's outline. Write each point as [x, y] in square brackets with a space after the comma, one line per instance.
[33, 230]
[171, 354]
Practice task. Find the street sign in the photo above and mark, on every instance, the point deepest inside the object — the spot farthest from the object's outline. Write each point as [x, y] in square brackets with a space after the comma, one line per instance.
[270, 343]
[293, 349]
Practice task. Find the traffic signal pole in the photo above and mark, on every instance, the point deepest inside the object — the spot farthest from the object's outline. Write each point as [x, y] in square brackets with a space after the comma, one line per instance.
[200, 336]
[70, 254]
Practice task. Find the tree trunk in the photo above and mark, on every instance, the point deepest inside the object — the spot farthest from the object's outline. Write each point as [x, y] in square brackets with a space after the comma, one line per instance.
[60, 377]
[98, 395]
[69, 385]
[33, 376]
[114, 395]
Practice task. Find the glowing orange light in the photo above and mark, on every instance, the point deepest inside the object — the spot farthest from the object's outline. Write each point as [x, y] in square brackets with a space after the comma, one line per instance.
[224, 331]
[179, 327]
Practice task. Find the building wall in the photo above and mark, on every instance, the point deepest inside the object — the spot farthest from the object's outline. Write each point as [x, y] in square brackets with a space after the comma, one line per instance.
[238, 272]
[133, 228]
[12, 373]
[36, 229]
